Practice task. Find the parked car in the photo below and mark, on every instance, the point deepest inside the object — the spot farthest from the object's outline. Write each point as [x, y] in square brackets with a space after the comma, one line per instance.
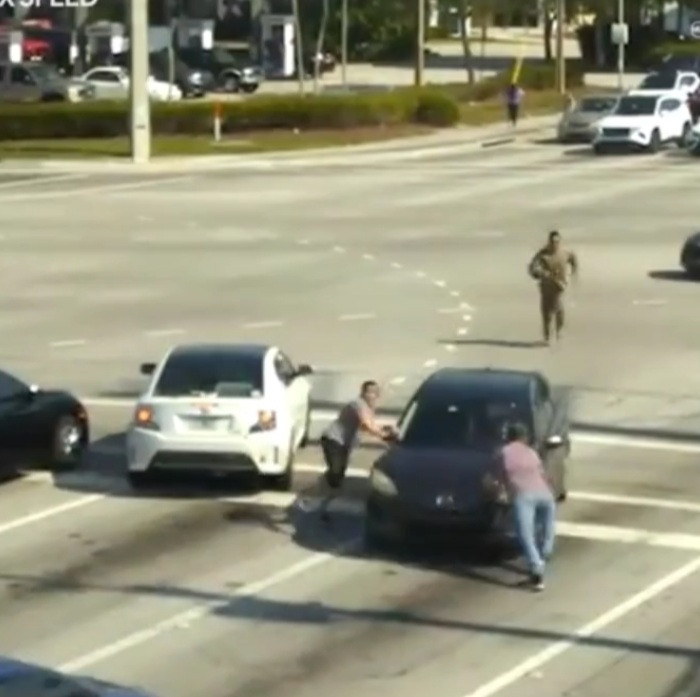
[39, 82]
[669, 81]
[18, 678]
[690, 256]
[644, 121]
[326, 62]
[230, 72]
[40, 426]
[689, 63]
[578, 123]
[112, 82]
[223, 409]
[431, 480]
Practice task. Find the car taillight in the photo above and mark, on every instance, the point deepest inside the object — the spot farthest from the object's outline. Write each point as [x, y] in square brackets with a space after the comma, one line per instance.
[267, 421]
[145, 418]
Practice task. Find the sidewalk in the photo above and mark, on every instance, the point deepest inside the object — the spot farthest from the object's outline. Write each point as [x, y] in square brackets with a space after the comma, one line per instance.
[461, 137]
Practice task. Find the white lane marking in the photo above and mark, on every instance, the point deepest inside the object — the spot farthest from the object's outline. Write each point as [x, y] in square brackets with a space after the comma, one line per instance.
[430, 363]
[466, 306]
[340, 250]
[368, 257]
[163, 332]
[49, 512]
[613, 533]
[440, 284]
[396, 265]
[32, 182]
[450, 347]
[137, 638]
[454, 293]
[104, 189]
[263, 325]
[462, 331]
[650, 303]
[356, 317]
[420, 274]
[303, 242]
[614, 614]
[638, 501]
[67, 343]
[399, 380]
[466, 318]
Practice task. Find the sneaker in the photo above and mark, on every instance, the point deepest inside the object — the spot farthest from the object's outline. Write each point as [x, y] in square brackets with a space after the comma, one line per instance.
[537, 582]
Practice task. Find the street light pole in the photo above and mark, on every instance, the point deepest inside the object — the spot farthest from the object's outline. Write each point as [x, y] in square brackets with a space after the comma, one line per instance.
[561, 58]
[344, 43]
[297, 43]
[140, 122]
[420, 40]
[621, 45]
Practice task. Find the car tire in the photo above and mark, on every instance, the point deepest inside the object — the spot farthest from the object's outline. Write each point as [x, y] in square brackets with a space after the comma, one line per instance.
[307, 429]
[230, 83]
[687, 127]
[655, 142]
[68, 443]
[141, 480]
[249, 89]
[598, 149]
[284, 481]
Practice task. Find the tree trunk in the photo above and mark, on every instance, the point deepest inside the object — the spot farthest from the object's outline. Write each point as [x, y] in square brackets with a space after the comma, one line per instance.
[548, 32]
[466, 41]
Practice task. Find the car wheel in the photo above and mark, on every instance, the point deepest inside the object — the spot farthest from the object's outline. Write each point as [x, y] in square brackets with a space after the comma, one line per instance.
[284, 481]
[598, 149]
[684, 135]
[250, 89]
[307, 429]
[231, 83]
[655, 142]
[68, 443]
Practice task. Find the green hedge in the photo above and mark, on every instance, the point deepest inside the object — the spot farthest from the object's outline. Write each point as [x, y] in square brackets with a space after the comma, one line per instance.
[97, 119]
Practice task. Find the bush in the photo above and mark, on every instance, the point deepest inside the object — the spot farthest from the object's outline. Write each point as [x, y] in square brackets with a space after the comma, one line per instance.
[110, 119]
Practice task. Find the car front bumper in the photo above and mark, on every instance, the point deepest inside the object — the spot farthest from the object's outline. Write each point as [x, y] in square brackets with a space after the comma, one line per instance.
[576, 134]
[395, 519]
[260, 453]
[633, 141]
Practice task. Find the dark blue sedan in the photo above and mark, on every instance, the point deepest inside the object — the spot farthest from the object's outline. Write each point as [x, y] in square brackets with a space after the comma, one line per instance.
[19, 679]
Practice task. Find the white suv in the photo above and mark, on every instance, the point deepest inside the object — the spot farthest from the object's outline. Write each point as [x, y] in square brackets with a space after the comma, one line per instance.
[644, 121]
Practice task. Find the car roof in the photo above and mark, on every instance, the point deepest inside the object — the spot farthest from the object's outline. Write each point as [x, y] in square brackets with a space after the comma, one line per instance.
[213, 351]
[480, 382]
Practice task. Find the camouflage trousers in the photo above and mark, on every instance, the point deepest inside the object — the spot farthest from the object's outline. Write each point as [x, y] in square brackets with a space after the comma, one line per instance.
[551, 309]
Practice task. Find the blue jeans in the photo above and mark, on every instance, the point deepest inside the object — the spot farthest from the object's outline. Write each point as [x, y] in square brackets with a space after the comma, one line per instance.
[534, 516]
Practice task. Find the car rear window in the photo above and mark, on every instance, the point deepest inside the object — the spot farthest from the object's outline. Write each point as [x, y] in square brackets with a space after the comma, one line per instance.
[187, 374]
[464, 423]
[597, 104]
[659, 81]
[636, 106]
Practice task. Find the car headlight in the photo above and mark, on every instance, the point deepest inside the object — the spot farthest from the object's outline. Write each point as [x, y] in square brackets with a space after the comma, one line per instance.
[382, 484]
[196, 77]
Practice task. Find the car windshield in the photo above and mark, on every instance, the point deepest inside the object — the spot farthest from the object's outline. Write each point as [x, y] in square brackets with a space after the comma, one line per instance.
[460, 423]
[597, 104]
[187, 374]
[636, 106]
[44, 73]
[659, 81]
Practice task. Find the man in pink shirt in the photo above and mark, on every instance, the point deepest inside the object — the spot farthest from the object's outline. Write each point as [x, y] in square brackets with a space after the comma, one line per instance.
[520, 470]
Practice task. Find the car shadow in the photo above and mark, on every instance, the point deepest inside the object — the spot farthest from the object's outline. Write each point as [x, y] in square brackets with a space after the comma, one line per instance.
[672, 275]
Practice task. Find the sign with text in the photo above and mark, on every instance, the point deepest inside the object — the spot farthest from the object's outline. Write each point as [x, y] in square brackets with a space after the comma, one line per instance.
[47, 4]
[695, 30]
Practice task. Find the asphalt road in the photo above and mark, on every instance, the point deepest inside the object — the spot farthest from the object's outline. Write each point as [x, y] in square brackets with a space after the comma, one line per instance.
[376, 264]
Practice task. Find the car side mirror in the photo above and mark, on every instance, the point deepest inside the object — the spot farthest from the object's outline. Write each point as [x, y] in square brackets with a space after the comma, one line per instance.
[304, 369]
[148, 368]
[554, 442]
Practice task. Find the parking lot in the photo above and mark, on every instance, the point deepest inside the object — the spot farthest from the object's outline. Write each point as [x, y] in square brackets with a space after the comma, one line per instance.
[375, 264]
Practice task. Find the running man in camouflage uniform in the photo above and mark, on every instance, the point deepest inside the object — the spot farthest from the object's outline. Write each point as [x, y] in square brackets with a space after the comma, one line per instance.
[549, 267]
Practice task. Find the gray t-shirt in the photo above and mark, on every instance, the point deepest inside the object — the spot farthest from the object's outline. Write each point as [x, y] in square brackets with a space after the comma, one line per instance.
[345, 428]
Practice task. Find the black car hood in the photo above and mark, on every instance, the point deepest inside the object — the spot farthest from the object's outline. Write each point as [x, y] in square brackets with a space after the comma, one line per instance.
[421, 474]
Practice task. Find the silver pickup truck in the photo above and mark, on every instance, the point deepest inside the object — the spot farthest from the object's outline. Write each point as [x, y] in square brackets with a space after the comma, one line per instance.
[39, 82]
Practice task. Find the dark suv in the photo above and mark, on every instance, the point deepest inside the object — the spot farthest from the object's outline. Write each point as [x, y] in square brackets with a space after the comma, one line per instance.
[231, 72]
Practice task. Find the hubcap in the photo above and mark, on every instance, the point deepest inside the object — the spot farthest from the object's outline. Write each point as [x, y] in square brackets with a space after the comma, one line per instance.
[69, 438]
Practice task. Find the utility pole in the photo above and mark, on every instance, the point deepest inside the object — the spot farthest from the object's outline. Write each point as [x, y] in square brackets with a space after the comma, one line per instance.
[344, 43]
[297, 43]
[561, 58]
[621, 44]
[420, 43]
[140, 122]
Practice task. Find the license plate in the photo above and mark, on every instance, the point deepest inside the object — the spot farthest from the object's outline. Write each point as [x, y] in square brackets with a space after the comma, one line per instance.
[210, 424]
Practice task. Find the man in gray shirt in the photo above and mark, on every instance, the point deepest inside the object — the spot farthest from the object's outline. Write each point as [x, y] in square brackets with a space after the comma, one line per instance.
[342, 435]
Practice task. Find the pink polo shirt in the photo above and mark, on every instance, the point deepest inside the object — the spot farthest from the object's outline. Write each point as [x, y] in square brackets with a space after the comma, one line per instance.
[523, 469]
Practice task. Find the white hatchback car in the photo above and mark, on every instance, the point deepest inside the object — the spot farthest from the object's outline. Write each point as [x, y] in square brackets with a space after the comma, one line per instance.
[644, 121]
[220, 409]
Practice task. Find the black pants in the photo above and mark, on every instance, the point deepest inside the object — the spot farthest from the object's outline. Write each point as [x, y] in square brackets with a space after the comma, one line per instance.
[513, 112]
[336, 457]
